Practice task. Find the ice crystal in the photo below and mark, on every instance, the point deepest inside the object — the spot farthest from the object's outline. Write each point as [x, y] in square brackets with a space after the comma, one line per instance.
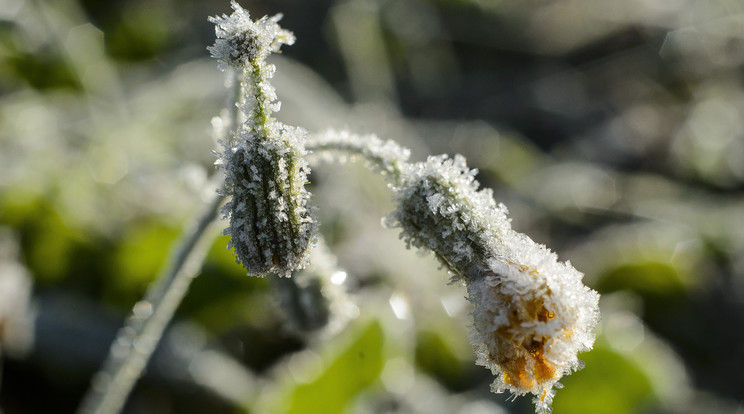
[531, 313]
[272, 225]
[242, 41]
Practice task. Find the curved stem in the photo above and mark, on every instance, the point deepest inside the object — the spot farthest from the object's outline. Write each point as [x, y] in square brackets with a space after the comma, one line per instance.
[139, 337]
[137, 340]
[387, 158]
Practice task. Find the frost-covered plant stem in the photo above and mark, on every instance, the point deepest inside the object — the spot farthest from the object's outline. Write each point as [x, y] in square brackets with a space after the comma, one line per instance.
[531, 313]
[384, 157]
[138, 339]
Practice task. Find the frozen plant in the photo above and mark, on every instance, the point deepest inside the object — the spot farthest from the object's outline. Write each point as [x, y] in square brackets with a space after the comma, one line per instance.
[271, 222]
[531, 313]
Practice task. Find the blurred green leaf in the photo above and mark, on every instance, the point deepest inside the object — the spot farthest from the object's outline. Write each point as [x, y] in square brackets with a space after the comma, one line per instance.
[143, 252]
[42, 68]
[142, 33]
[50, 248]
[48, 244]
[609, 384]
[650, 279]
[221, 260]
[356, 368]
[435, 357]
[223, 296]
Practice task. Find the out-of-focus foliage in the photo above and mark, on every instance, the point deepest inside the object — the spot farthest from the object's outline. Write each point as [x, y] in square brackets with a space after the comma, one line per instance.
[353, 370]
[610, 384]
[610, 129]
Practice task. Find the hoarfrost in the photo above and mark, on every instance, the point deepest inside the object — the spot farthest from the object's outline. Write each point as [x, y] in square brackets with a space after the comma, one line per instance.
[531, 313]
[272, 224]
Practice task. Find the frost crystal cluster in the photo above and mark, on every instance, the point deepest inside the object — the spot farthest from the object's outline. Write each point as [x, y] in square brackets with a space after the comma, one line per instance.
[384, 157]
[272, 224]
[243, 43]
[531, 313]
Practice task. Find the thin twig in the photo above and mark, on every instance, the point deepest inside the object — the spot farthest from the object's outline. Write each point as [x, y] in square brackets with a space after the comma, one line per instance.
[137, 340]
[386, 157]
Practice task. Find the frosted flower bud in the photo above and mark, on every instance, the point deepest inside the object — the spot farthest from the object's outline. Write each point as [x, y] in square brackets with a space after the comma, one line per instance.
[241, 41]
[531, 313]
[315, 301]
[272, 224]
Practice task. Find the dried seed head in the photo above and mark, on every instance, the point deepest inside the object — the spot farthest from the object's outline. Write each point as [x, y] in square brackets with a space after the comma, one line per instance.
[531, 313]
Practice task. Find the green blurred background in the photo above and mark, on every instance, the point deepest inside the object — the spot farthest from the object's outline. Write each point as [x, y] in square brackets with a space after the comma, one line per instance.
[612, 130]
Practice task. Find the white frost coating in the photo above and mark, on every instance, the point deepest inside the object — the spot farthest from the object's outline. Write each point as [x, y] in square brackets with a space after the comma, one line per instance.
[272, 224]
[240, 40]
[531, 313]
[384, 157]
